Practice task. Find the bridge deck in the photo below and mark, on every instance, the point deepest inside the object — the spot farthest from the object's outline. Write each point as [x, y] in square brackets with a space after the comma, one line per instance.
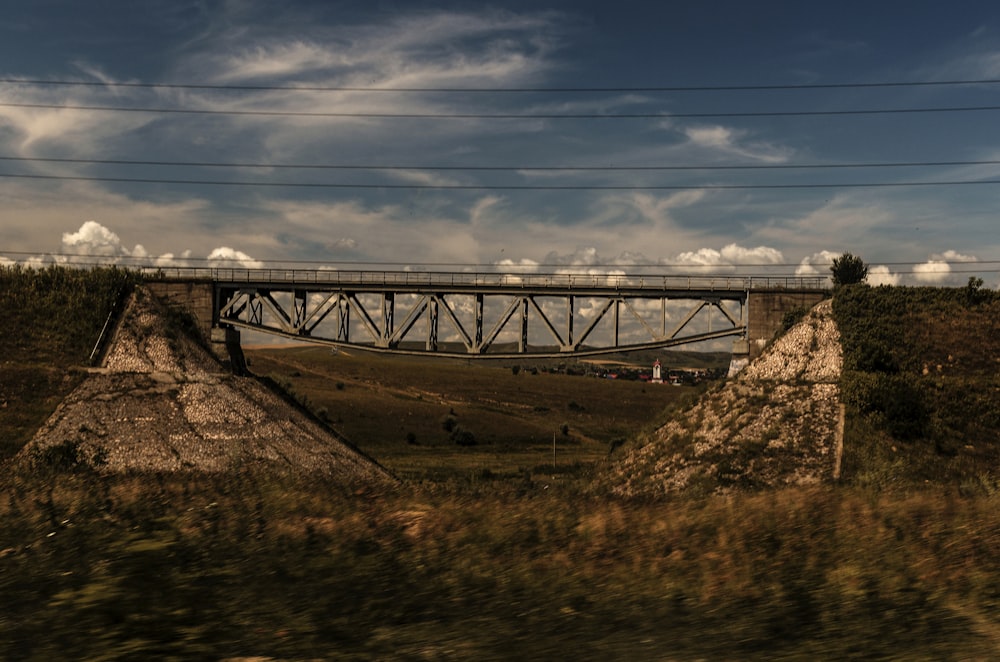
[493, 282]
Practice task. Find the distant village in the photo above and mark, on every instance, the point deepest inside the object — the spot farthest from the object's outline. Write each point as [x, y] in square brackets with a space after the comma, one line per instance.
[654, 374]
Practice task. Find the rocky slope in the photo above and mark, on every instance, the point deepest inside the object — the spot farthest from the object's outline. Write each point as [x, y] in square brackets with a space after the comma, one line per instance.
[778, 423]
[161, 402]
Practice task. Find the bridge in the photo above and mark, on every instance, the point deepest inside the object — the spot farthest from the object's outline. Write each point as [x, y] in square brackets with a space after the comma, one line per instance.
[486, 315]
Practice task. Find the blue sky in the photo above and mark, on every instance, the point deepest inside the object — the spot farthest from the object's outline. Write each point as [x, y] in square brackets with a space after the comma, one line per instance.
[610, 217]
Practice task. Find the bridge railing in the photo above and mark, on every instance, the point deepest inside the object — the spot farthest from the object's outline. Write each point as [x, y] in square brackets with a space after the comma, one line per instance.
[485, 279]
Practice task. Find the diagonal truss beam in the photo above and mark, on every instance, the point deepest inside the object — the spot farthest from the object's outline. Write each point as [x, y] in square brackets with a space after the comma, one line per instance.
[476, 325]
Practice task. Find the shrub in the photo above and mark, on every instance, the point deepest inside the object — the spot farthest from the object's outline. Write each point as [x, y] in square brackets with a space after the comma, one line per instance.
[896, 401]
[463, 437]
[64, 456]
[973, 292]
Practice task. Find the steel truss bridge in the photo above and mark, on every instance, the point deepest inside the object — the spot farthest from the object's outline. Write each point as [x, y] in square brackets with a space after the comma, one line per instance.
[485, 315]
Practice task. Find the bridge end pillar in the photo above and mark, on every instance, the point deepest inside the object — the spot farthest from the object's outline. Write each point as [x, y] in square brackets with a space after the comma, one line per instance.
[740, 358]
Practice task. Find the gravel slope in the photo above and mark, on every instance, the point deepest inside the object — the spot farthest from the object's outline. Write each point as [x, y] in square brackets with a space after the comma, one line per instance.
[777, 423]
[161, 402]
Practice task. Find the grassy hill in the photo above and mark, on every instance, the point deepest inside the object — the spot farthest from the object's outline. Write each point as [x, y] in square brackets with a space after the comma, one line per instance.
[922, 385]
[50, 321]
[897, 562]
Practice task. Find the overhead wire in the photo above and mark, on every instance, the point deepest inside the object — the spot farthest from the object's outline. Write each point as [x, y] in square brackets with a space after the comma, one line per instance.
[508, 168]
[504, 90]
[993, 265]
[504, 116]
[497, 187]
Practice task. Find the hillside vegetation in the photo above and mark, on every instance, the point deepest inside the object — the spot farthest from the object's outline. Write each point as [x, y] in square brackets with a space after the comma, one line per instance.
[922, 383]
[896, 561]
[50, 320]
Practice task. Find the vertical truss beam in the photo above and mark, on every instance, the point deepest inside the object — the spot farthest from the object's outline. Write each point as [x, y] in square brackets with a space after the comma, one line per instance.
[388, 312]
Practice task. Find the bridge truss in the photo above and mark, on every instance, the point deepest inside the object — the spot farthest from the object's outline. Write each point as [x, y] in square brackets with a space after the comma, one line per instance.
[483, 315]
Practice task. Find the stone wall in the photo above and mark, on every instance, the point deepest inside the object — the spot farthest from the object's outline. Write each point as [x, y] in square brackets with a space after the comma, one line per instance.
[194, 297]
[767, 311]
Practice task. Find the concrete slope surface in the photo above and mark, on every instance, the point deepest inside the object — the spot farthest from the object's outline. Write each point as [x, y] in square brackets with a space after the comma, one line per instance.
[777, 423]
[161, 402]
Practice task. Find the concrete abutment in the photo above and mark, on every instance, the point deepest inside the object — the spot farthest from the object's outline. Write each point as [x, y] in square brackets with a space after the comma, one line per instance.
[197, 298]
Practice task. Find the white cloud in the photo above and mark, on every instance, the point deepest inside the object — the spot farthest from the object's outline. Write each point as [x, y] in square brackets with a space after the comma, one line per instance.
[954, 256]
[93, 239]
[730, 255]
[230, 257]
[932, 271]
[731, 142]
[657, 208]
[523, 266]
[343, 244]
[427, 49]
[881, 275]
[816, 264]
[482, 211]
[937, 270]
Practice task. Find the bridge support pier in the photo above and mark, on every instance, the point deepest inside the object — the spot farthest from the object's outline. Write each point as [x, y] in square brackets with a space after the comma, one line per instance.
[226, 346]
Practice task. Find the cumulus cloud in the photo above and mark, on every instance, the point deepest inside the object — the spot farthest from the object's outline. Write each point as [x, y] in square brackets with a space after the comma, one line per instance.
[730, 255]
[523, 266]
[881, 275]
[94, 240]
[954, 256]
[937, 270]
[816, 264]
[230, 257]
[932, 271]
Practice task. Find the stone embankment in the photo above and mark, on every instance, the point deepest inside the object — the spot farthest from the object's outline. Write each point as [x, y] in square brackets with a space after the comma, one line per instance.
[161, 402]
[777, 423]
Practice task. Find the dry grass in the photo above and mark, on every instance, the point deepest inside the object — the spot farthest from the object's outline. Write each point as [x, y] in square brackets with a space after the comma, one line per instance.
[260, 565]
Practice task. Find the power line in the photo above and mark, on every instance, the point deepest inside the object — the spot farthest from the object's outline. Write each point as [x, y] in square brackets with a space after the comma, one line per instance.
[502, 90]
[334, 166]
[500, 187]
[994, 264]
[507, 116]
